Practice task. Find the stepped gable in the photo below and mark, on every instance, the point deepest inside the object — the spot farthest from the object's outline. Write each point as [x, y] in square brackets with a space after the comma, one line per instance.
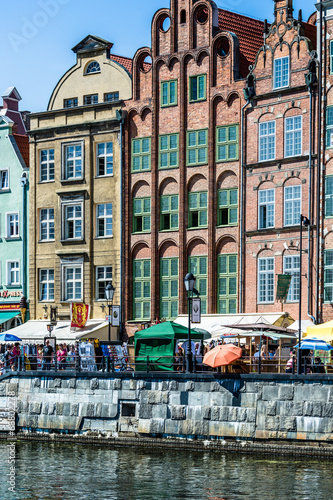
[22, 142]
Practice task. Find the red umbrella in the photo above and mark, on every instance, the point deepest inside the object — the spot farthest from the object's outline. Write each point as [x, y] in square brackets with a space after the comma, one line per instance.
[222, 355]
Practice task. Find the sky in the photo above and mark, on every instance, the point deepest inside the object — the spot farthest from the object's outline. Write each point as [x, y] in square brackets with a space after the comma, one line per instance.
[38, 35]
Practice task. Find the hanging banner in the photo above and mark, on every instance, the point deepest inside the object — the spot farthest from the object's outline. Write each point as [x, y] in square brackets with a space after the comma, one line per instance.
[79, 314]
[283, 285]
[115, 315]
[196, 310]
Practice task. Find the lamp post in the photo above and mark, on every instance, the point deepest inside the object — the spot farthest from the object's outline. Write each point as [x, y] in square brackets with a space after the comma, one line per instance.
[303, 221]
[189, 282]
[109, 292]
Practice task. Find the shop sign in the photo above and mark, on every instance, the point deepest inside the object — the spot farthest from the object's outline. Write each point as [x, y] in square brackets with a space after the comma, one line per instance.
[9, 307]
[5, 294]
[283, 285]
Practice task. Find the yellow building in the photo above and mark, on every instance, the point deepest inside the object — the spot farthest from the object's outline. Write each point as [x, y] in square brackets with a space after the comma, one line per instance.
[75, 185]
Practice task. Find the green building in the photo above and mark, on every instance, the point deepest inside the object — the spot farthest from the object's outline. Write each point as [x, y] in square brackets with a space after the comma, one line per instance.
[14, 202]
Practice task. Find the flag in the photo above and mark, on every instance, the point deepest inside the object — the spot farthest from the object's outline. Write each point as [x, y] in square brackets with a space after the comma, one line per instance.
[79, 314]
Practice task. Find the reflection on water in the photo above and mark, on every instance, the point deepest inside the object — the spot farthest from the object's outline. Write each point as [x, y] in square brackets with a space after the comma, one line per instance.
[71, 472]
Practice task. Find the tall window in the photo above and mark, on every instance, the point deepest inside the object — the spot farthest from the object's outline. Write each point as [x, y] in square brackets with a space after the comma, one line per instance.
[198, 267]
[73, 221]
[13, 273]
[71, 103]
[13, 225]
[197, 88]
[227, 284]
[47, 165]
[169, 288]
[47, 224]
[227, 143]
[141, 215]
[198, 203]
[169, 212]
[329, 196]
[227, 207]
[197, 147]
[329, 126]
[72, 283]
[168, 157]
[292, 205]
[291, 265]
[141, 154]
[169, 93]
[111, 96]
[104, 220]
[281, 72]
[141, 289]
[328, 276]
[104, 159]
[103, 277]
[4, 180]
[267, 141]
[293, 136]
[90, 99]
[266, 279]
[46, 284]
[73, 161]
[266, 202]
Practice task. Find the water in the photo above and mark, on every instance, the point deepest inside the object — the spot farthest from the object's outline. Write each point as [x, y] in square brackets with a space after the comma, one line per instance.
[79, 472]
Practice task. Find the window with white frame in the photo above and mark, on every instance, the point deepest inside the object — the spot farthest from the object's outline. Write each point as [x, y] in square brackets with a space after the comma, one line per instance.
[71, 103]
[13, 273]
[4, 180]
[293, 136]
[266, 280]
[104, 159]
[329, 127]
[291, 265]
[267, 141]
[104, 220]
[281, 72]
[46, 285]
[72, 282]
[266, 205]
[103, 277]
[93, 67]
[13, 225]
[292, 205]
[72, 221]
[73, 161]
[90, 99]
[328, 276]
[47, 224]
[46, 159]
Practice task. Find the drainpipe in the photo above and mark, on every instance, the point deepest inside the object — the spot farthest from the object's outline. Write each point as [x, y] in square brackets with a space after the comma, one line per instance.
[310, 204]
[23, 183]
[241, 228]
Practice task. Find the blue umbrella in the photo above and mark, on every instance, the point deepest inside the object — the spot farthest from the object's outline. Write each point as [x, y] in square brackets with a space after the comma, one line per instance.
[315, 345]
[7, 337]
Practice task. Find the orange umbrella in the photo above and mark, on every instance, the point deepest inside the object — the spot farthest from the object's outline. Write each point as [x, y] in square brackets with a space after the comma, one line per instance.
[222, 355]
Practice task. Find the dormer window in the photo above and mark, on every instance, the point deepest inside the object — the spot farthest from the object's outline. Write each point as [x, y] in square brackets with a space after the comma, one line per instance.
[93, 67]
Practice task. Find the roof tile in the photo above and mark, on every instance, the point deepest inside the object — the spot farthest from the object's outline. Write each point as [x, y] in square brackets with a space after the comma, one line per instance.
[22, 142]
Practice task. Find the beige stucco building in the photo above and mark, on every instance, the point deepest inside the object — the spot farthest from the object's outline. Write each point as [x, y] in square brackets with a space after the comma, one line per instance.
[75, 203]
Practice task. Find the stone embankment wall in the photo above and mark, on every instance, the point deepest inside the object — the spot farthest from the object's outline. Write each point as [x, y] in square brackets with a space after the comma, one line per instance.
[266, 407]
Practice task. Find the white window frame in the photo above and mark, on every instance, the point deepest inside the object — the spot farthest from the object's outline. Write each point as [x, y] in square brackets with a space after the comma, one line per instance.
[48, 281]
[104, 217]
[282, 84]
[266, 278]
[9, 271]
[294, 270]
[264, 203]
[65, 296]
[292, 136]
[329, 127]
[8, 224]
[4, 171]
[64, 228]
[48, 222]
[103, 279]
[47, 163]
[65, 147]
[266, 137]
[328, 269]
[295, 203]
[104, 156]
[90, 99]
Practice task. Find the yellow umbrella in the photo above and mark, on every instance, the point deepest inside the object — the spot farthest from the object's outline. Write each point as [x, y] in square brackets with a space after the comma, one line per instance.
[322, 332]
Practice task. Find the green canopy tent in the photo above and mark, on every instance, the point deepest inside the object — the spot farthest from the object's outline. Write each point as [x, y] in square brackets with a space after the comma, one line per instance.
[159, 344]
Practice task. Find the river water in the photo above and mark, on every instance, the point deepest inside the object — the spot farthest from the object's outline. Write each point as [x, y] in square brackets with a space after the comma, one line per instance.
[79, 472]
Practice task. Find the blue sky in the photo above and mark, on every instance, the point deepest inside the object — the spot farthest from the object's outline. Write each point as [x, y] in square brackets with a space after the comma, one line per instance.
[37, 36]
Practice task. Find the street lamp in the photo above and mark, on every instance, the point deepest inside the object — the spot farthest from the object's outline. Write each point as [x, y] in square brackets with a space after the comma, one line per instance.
[303, 221]
[109, 293]
[189, 282]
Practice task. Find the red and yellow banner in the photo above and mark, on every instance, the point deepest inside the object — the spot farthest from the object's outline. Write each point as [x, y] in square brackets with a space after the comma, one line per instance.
[9, 307]
[79, 314]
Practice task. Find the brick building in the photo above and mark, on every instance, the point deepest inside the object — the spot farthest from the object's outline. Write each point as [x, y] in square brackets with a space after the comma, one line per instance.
[214, 176]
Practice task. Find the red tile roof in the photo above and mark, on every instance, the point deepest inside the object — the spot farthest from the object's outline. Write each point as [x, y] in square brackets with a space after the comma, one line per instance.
[22, 142]
[127, 62]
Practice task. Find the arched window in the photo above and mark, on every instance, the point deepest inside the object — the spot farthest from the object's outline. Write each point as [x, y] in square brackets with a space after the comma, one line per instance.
[93, 67]
[183, 17]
